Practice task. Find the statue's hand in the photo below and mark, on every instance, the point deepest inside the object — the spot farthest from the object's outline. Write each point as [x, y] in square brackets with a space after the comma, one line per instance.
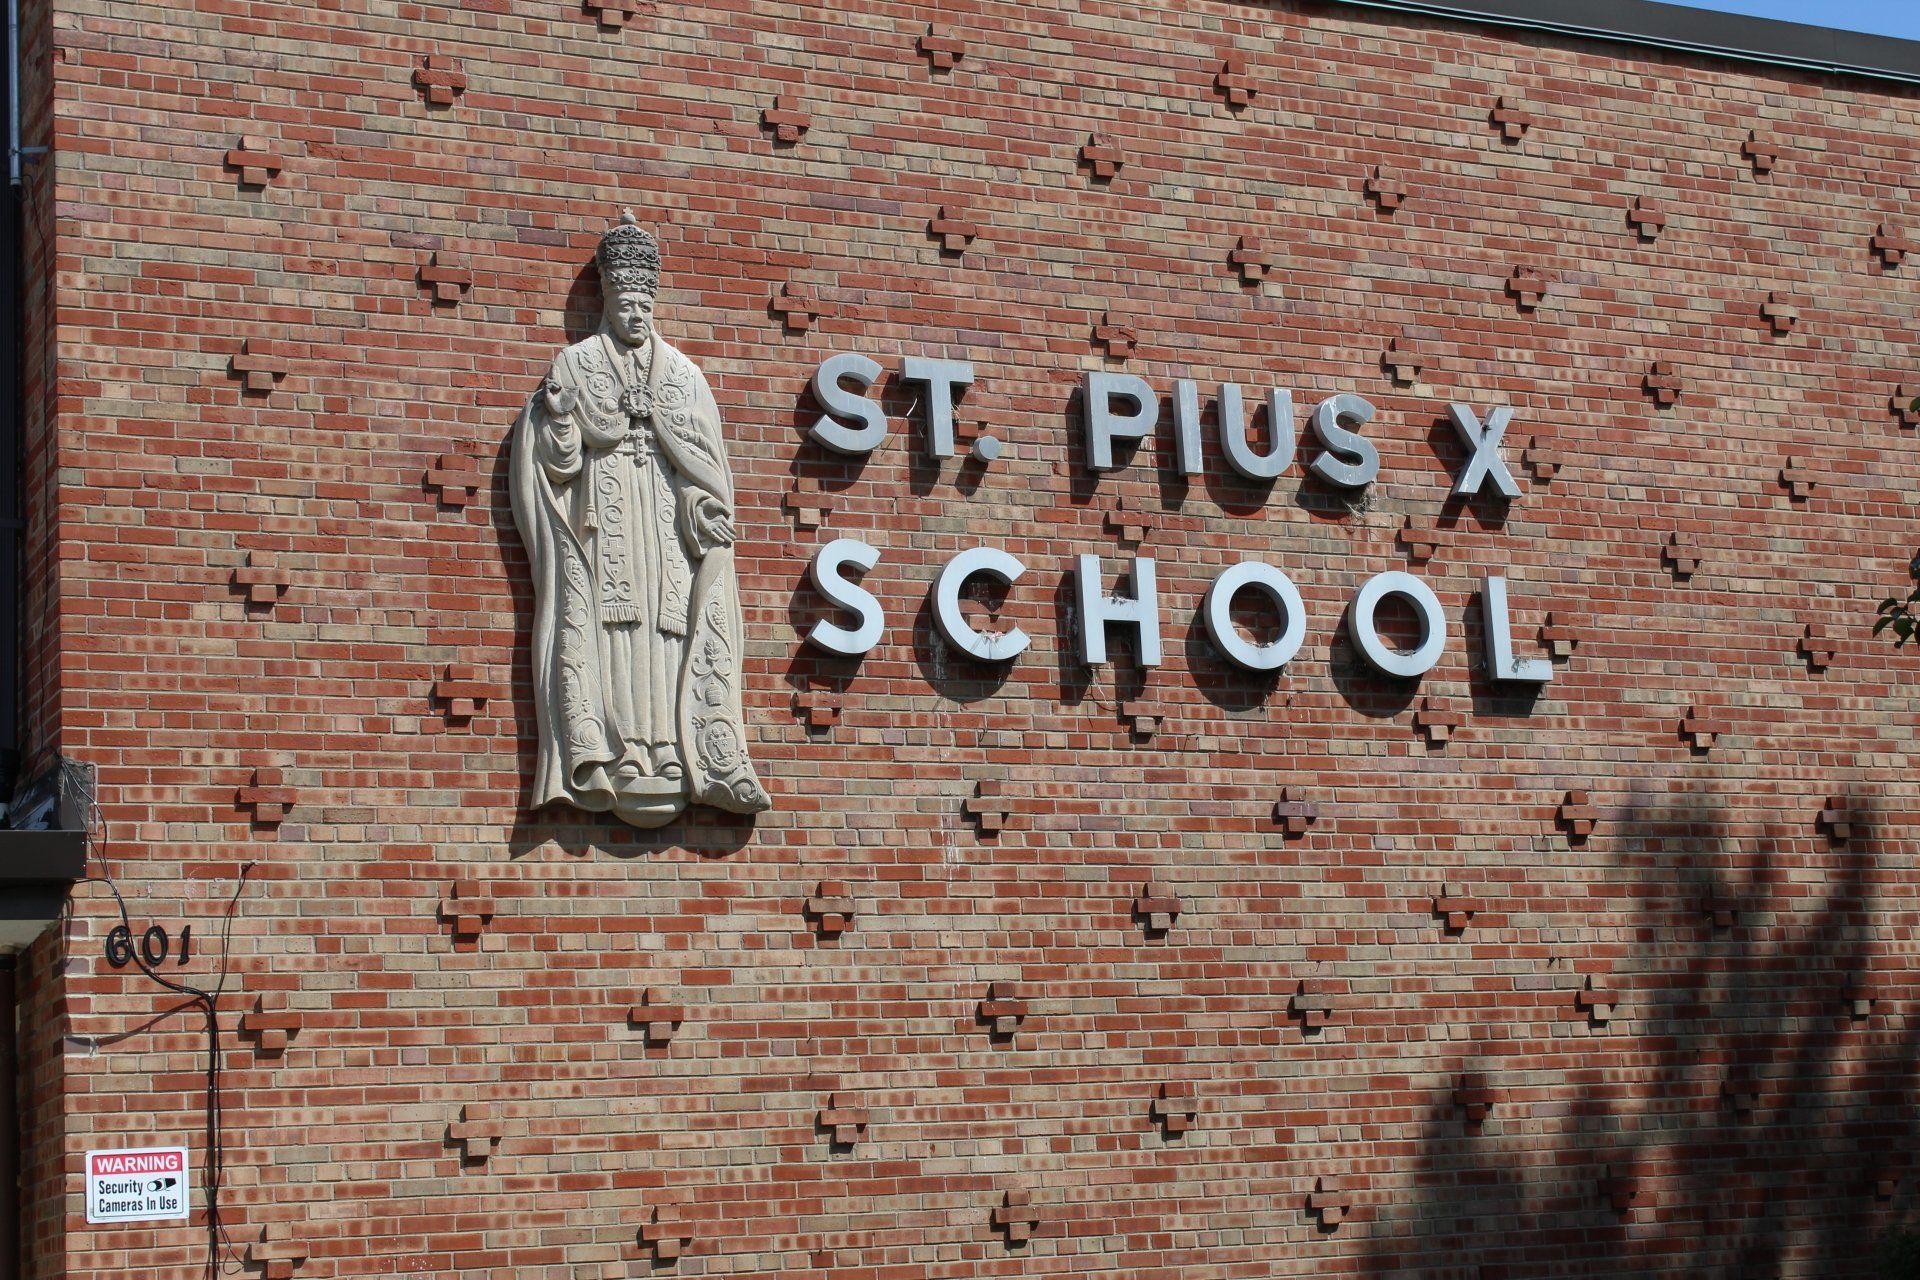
[712, 526]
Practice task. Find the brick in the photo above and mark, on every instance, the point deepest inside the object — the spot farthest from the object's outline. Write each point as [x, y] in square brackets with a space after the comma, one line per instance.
[454, 477]
[1702, 729]
[270, 1024]
[476, 1132]
[615, 14]
[1560, 633]
[658, 1016]
[1818, 645]
[1542, 459]
[447, 277]
[1157, 907]
[843, 1120]
[1118, 334]
[1330, 1201]
[1797, 479]
[279, 1253]
[1294, 813]
[1102, 157]
[1437, 722]
[1577, 815]
[1175, 1109]
[1682, 553]
[795, 306]
[1456, 906]
[831, 908]
[467, 908]
[1528, 287]
[954, 227]
[1251, 258]
[1016, 1218]
[1421, 543]
[1387, 188]
[1234, 82]
[942, 47]
[1835, 818]
[1400, 360]
[464, 689]
[254, 160]
[786, 119]
[1003, 1009]
[666, 1235]
[1476, 1098]
[440, 80]
[1782, 311]
[1892, 243]
[268, 795]
[1762, 150]
[1620, 1188]
[1664, 383]
[259, 364]
[1313, 1003]
[1904, 398]
[1648, 217]
[262, 578]
[1597, 999]
[1511, 118]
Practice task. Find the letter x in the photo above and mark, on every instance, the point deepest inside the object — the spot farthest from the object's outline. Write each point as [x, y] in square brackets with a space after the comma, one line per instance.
[1486, 462]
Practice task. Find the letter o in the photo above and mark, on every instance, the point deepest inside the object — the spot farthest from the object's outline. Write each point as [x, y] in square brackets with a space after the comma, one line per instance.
[1217, 612]
[1433, 625]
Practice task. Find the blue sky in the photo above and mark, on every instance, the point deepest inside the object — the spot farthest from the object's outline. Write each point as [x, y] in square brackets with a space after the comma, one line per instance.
[1882, 17]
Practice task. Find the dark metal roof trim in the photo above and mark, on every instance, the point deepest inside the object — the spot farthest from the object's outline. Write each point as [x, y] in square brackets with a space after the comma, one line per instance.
[41, 857]
[1686, 30]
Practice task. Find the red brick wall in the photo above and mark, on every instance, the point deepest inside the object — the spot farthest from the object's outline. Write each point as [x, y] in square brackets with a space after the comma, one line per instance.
[177, 689]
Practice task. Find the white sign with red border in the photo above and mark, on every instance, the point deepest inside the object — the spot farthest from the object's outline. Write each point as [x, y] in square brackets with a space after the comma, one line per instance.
[144, 1184]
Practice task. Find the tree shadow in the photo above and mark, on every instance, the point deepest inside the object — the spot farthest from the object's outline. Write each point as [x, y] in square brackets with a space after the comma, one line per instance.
[1750, 1114]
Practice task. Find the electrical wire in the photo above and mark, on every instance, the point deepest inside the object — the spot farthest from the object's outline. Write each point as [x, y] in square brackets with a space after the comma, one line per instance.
[221, 1254]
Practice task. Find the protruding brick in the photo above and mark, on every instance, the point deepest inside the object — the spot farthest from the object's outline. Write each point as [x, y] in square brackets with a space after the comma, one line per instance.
[454, 476]
[1234, 81]
[440, 79]
[1834, 818]
[666, 1235]
[268, 795]
[1437, 721]
[1761, 149]
[1542, 459]
[1858, 993]
[1892, 244]
[1797, 478]
[660, 1017]
[795, 306]
[476, 1132]
[615, 14]
[831, 908]
[1664, 383]
[1560, 633]
[1132, 519]
[1577, 814]
[1312, 1002]
[1782, 311]
[1017, 1218]
[1421, 543]
[1003, 1009]
[1144, 716]
[278, 1252]
[1387, 188]
[1455, 905]
[1118, 333]
[255, 161]
[1401, 361]
[464, 689]
[1251, 259]
[1511, 118]
[1103, 157]
[1722, 911]
[259, 364]
[447, 276]
[1528, 287]
[1476, 1098]
[1620, 1189]
[989, 806]
[1682, 553]
[1649, 217]
[1176, 1109]
[817, 706]
[1702, 729]
[1294, 812]
[1597, 999]
[1157, 907]
[807, 503]
[1330, 1201]
[942, 47]
[843, 1119]
[954, 227]
[786, 119]
[1741, 1090]
[262, 579]
[467, 908]
[270, 1024]
[1905, 397]
[1818, 645]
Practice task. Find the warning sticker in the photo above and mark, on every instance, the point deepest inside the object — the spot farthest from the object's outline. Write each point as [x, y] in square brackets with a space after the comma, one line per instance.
[147, 1184]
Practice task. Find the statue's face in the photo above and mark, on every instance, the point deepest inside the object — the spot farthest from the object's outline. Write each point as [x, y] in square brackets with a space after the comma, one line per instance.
[630, 316]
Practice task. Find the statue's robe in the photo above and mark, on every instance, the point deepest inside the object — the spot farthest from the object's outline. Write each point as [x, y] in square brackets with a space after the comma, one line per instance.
[637, 638]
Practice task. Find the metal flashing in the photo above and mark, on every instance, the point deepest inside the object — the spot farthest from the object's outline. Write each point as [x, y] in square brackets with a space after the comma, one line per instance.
[1682, 29]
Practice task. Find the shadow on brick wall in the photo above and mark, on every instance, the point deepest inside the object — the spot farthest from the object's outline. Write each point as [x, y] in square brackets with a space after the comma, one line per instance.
[1749, 1123]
